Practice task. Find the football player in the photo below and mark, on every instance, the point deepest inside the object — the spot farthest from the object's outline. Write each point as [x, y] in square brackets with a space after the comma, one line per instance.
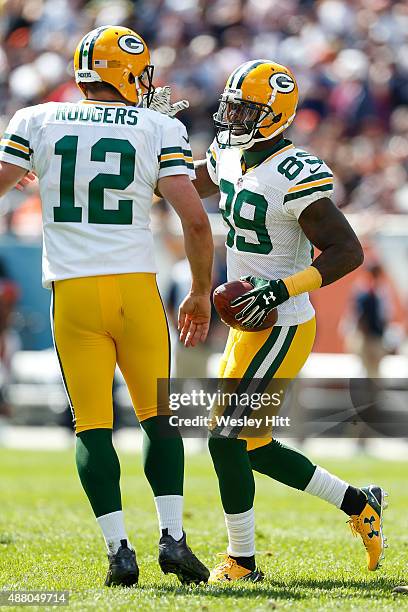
[98, 162]
[275, 200]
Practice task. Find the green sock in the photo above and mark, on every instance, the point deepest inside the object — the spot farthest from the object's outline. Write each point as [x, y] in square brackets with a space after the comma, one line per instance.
[99, 470]
[282, 463]
[234, 471]
[163, 456]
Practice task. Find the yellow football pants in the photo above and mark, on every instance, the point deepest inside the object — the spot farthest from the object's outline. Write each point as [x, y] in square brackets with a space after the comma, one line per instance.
[101, 321]
[279, 352]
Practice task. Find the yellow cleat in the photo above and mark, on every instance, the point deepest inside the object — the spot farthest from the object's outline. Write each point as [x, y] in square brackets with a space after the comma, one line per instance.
[368, 525]
[229, 570]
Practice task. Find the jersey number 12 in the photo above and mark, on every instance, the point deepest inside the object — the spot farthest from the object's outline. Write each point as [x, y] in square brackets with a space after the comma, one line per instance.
[67, 211]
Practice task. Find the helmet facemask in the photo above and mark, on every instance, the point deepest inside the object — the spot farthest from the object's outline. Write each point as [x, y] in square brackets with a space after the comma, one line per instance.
[237, 122]
[146, 81]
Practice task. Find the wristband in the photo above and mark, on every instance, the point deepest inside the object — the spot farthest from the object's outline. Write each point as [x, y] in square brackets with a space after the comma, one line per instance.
[304, 281]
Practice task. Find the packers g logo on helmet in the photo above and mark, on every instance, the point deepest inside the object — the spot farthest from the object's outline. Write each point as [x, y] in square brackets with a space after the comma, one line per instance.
[117, 56]
[131, 44]
[282, 82]
[259, 102]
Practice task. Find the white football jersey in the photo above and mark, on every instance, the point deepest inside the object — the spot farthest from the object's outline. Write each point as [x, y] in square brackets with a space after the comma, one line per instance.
[261, 208]
[98, 164]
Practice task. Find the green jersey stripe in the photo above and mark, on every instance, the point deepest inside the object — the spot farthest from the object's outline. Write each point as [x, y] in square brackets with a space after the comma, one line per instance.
[174, 162]
[187, 152]
[212, 162]
[306, 192]
[15, 152]
[16, 138]
[315, 177]
[167, 150]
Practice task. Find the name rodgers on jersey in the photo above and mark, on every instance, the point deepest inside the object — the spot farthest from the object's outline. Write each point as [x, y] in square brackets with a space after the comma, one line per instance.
[97, 114]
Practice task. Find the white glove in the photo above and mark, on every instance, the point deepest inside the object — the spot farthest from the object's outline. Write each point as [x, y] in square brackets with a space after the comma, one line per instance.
[161, 102]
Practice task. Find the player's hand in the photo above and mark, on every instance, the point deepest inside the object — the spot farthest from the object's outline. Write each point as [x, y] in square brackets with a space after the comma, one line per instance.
[259, 302]
[27, 179]
[194, 319]
[161, 102]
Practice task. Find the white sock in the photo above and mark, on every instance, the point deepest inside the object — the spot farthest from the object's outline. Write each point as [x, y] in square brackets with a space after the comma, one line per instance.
[170, 514]
[327, 487]
[241, 533]
[113, 529]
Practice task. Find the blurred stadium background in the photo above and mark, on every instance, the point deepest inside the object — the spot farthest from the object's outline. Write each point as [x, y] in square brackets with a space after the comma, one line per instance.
[351, 60]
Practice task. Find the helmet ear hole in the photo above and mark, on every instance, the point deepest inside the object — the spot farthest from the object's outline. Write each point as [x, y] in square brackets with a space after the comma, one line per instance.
[277, 118]
[131, 78]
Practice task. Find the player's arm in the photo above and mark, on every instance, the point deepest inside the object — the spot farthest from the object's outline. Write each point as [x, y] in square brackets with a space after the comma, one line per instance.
[328, 229]
[203, 183]
[341, 253]
[10, 175]
[195, 311]
[16, 163]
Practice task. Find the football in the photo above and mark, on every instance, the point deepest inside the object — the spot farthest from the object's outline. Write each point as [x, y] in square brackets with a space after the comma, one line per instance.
[227, 292]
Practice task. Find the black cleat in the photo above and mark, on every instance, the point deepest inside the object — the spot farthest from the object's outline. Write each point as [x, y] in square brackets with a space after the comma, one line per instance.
[123, 569]
[175, 557]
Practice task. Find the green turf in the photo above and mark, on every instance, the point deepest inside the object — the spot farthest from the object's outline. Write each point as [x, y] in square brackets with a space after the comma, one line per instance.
[49, 540]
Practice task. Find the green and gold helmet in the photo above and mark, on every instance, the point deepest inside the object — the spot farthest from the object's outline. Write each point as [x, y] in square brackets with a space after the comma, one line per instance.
[259, 102]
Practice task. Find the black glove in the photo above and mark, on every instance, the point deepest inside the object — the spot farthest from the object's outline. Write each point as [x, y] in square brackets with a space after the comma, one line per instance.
[259, 302]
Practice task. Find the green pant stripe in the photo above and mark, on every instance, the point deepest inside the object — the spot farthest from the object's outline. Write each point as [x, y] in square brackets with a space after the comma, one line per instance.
[58, 355]
[277, 362]
[266, 379]
[251, 370]
[262, 353]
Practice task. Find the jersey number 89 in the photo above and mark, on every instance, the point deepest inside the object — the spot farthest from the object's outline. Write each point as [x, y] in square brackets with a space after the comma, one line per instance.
[232, 213]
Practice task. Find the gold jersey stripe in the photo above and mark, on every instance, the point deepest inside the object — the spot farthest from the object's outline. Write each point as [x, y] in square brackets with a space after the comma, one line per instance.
[311, 184]
[168, 156]
[15, 145]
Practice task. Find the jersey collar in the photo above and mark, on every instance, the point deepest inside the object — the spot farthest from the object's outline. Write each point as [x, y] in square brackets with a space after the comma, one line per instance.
[253, 159]
[102, 102]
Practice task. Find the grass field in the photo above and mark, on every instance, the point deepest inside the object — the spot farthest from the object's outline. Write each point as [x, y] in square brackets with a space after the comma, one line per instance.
[49, 540]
